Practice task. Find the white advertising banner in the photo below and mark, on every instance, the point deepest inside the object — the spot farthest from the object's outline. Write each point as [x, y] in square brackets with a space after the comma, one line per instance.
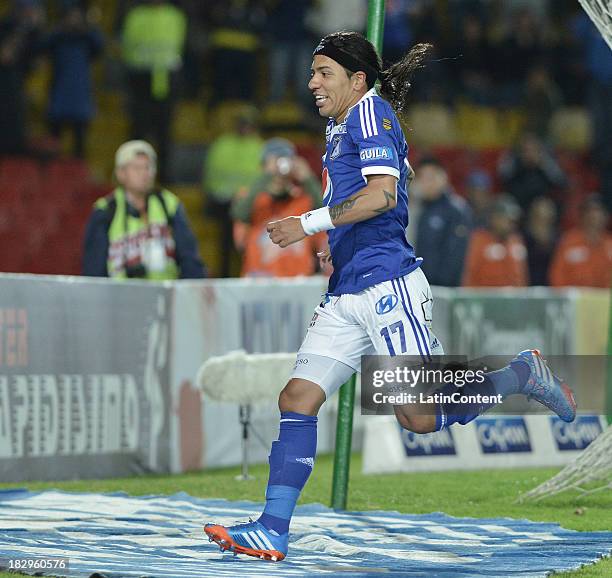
[212, 318]
[84, 374]
[97, 377]
[493, 441]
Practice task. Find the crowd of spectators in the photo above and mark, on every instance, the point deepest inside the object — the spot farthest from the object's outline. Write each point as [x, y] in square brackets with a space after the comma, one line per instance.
[520, 53]
[71, 44]
[497, 239]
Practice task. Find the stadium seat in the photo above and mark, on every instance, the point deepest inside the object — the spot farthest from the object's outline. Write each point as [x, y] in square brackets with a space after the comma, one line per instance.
[72, 170]
[109, 102]
[511, 123]
[64, 181]
[458, 162]
[37, 87]
[190, 125]
[191, 197]
[312, 153]
[22, 170]
[282, 114]
[207, 232]
[571, 129]
[13, 253]
[223, 116]
[477, 126]
[429, 125]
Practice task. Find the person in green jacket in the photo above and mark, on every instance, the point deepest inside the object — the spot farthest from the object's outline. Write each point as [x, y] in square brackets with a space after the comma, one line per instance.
[153, 40]
[233, 162]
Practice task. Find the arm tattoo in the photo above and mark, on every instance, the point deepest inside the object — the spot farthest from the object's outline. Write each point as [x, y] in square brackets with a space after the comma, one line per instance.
[337, 211]
[387, 205]
[340, 209]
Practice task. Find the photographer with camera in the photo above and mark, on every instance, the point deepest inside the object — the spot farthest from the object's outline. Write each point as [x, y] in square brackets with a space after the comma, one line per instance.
[286, 187]
[138, 230]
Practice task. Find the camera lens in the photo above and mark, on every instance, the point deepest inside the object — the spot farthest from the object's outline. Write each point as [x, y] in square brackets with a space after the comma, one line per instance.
[284, 165]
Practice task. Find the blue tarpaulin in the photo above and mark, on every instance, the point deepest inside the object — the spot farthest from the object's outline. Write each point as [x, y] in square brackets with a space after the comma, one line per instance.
[120, 535]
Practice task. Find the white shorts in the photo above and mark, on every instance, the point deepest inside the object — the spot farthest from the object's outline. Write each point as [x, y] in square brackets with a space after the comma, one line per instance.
[390, 318]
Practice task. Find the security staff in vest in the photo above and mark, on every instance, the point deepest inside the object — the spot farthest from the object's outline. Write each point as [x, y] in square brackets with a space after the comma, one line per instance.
[138, 231]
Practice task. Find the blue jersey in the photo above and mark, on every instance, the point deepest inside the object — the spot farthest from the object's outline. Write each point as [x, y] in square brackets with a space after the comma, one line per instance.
[370, 141]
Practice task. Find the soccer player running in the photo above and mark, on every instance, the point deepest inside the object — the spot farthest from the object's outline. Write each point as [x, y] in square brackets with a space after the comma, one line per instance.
[378, 300]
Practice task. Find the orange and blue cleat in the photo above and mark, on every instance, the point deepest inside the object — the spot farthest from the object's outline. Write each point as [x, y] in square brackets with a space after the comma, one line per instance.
[252, 539]
[547, 388]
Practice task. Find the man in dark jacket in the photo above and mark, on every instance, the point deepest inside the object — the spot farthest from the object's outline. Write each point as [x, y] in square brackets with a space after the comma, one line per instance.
[444, 225]
[139, 231]
[20, 35]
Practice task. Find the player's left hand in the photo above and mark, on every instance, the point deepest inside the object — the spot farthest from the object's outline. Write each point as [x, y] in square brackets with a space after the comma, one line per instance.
[286, 231]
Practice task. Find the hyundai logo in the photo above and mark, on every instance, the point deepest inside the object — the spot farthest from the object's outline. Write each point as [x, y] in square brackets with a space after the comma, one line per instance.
[386, 304]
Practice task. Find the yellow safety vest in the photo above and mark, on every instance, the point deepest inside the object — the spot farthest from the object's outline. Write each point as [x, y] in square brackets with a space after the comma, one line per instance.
[127, 233]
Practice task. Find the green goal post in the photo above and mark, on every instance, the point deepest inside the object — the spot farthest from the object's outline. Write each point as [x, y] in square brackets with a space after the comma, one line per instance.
[346, 399]
[609, 388]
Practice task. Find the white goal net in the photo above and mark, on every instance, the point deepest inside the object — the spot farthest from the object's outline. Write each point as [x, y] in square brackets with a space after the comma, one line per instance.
[591, 471]
[600, 12]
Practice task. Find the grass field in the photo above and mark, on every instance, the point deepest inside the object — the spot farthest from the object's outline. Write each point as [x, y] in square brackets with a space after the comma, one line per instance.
[476, 494]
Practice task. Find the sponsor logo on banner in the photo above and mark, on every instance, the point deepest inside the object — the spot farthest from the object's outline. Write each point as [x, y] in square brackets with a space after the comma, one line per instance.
[75, 413]
[503, 435]
[439, 443]
[576, 435]
[49, 415]
[14, 348]
[386, 304]
[376, 153]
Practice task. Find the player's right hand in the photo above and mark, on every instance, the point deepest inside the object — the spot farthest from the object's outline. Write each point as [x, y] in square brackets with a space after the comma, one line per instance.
[286, 231]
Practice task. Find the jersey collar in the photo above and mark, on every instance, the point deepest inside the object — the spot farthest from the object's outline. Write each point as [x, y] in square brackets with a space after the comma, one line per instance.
[371, 92]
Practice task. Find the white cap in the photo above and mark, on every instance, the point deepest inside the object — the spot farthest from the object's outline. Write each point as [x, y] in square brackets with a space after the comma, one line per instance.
[129, 150]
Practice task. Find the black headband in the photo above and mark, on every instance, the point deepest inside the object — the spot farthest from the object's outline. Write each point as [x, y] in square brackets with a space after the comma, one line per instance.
[345, 59]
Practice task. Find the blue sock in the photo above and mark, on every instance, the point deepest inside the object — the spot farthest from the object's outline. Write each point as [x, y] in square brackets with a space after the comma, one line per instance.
[506, 381]
[291, 461]
[523, 371]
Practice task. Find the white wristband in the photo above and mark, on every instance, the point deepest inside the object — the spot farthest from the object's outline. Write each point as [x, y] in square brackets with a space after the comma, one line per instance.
[316, 221]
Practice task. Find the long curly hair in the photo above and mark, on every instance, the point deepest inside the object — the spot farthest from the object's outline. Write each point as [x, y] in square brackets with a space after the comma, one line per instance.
[395, 81]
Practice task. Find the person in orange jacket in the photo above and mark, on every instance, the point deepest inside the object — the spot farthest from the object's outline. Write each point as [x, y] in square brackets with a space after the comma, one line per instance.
[496, 255]
[286, 187]
[584, 254]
